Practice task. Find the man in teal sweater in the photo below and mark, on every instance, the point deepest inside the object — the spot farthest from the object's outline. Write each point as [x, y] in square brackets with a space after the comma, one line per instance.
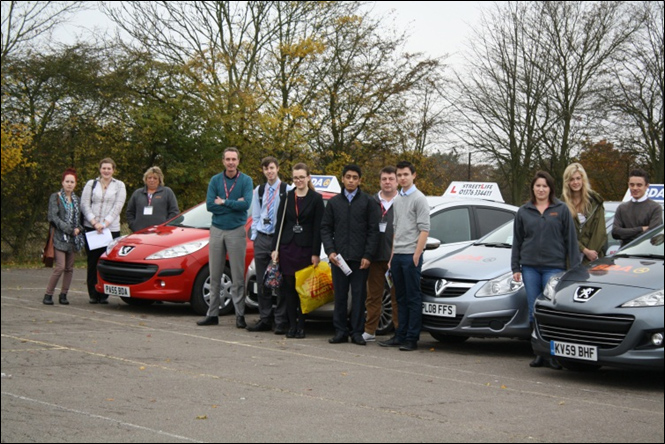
[229, 197]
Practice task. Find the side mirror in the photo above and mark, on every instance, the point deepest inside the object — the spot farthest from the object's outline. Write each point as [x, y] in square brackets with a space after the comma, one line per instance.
[432, 244]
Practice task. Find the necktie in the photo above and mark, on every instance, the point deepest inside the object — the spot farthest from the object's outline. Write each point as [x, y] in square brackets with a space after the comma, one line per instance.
[271, 206]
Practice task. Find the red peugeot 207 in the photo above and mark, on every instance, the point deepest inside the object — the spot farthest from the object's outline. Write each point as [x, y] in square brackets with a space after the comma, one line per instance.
[169, 262]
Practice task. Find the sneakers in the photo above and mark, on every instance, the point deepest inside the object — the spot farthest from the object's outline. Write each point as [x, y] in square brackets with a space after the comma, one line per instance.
[369, 337]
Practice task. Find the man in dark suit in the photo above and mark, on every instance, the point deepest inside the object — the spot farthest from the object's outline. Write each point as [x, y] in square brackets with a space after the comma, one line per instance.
[350, 230]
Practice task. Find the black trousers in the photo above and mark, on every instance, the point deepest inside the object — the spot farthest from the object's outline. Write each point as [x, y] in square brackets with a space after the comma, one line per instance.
[93, 257]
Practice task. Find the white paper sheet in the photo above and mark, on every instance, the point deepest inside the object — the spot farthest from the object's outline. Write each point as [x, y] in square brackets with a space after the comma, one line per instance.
[98, 240]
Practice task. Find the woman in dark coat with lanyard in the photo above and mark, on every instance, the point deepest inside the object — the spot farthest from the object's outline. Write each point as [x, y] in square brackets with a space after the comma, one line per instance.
[300, 242]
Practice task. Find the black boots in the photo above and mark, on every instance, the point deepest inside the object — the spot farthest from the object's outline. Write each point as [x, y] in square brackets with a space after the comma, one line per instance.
[62, 299]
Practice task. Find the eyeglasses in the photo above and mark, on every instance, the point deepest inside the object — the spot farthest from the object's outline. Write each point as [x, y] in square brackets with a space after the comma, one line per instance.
[299, 178]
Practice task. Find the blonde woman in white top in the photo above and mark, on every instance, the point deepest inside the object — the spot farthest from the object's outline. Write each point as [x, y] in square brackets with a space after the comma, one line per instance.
[101, 203]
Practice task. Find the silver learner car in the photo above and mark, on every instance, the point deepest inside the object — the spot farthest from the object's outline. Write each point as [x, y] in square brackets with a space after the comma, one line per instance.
[471, 293]
[609, 312]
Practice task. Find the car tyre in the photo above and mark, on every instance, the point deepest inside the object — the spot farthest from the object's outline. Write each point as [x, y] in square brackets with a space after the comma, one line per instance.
[200, 299]
[386, 325]
[137, 302]
[448, 339]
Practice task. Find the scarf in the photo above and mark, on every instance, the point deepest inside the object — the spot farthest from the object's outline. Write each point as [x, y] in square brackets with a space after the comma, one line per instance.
[72, 217]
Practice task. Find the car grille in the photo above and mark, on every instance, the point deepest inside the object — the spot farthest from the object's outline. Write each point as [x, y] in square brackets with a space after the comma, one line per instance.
[441, 322]
[603, 330]
[125, 273]
[453, 289]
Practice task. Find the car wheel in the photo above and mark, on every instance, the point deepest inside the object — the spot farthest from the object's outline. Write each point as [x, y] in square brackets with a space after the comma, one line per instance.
[201, 292]
[252, 299]
[138, 302]
[448, 339]
[386, 325]
[579, 366]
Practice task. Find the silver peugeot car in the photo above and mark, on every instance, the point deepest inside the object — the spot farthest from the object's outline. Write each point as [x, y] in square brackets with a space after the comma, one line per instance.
[607, 313]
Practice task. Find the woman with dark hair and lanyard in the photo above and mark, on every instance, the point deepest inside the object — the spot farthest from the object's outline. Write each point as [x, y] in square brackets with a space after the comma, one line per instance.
[300, 241]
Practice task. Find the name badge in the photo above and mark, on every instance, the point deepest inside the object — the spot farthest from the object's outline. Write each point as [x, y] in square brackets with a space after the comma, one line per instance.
[297, 229]
[383, 226]
[147, 211]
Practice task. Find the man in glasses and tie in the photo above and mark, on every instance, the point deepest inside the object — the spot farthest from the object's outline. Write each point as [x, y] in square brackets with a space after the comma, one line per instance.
[265, 202]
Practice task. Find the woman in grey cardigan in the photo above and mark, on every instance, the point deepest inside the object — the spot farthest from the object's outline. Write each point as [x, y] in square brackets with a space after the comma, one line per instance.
[152, 204]
[64, 213]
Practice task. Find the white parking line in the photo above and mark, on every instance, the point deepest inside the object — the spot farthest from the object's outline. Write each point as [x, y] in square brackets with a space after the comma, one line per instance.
[103, 418]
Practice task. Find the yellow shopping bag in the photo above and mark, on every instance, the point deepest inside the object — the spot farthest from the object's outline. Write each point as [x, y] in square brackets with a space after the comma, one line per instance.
[314, 286]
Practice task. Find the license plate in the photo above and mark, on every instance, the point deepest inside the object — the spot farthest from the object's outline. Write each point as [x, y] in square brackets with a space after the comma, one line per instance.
[116, 290]
[436, 309]
[576, 351]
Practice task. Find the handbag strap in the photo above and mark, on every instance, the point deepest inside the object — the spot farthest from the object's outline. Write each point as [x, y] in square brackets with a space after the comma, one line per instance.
[281, 225]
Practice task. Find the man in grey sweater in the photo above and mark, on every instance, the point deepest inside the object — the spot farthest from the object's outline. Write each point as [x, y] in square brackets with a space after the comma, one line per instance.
[411, 224]
[640, 213]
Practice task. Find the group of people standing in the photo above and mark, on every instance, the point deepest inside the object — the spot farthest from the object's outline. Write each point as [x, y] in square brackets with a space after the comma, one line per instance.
[369, 234]
[97, 210]
[550, 235]
[377, 237]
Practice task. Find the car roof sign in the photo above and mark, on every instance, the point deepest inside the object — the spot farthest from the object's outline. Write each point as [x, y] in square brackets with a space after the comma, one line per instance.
[655, 193]
[326, 183]
[475, 190]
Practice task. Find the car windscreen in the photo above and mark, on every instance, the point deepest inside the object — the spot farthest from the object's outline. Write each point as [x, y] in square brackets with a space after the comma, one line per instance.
[649, 245]
[197, 217]
[501, 236]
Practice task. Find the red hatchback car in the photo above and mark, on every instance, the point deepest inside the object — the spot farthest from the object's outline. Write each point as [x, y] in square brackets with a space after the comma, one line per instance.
[167, 262]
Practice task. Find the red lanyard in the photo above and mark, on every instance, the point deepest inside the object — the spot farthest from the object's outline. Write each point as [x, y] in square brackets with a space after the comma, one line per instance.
[295, 199]
[150, 199]
[226, 190]
[383, 211]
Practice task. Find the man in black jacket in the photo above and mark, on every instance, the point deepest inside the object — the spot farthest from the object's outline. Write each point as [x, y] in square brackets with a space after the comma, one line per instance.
[350, 230]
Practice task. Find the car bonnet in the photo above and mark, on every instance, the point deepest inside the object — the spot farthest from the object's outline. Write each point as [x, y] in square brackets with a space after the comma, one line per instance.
[476, 262]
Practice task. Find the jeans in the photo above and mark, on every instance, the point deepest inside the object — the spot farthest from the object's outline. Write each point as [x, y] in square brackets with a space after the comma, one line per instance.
[535, 279]
[406, 279]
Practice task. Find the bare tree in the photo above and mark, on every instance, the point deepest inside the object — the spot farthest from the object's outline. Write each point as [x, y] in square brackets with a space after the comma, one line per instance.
[581, 37]
[501, 98]
[636, 96]
[25, 21]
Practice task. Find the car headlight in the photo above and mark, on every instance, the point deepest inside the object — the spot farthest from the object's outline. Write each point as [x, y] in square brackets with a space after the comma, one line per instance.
[504, 284]
[179, 250]
[550, 288]
[654, 299]
[113, 243]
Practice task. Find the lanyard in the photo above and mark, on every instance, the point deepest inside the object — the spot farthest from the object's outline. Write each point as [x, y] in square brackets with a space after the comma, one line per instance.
[295, 199]
[226, 190]
[383, 211]
[150, 199]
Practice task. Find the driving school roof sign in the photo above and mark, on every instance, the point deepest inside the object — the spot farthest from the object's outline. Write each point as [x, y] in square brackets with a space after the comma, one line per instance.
[326, 183]
[477, 190]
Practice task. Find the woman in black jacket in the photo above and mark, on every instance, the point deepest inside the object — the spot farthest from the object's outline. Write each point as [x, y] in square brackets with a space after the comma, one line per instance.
[300, 242]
